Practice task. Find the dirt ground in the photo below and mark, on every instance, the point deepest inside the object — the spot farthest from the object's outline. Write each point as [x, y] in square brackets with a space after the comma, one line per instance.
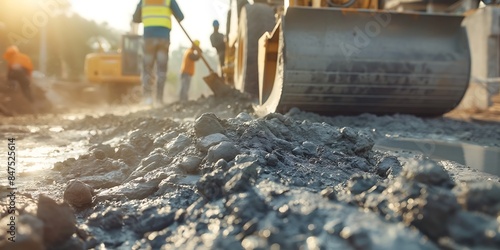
[13, 102]
[209, 174]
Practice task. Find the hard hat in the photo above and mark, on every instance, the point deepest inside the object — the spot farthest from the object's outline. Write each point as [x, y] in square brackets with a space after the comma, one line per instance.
[197, 43]
[216, 23]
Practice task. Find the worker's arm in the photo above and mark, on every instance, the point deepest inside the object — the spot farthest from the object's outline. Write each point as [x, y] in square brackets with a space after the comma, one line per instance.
[176, 11]
[137, 17]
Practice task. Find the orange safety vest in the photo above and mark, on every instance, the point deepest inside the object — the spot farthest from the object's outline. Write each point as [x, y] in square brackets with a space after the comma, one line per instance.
[156, 13]
[14, 57]
[188, 63]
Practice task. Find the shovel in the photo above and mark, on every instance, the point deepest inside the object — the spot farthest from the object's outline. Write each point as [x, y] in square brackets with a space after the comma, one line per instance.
[214, 81]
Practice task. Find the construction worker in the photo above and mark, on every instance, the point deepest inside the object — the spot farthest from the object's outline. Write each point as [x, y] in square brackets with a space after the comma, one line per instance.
[187, 69]
[156, 17]
[19, 69]
[217, 40]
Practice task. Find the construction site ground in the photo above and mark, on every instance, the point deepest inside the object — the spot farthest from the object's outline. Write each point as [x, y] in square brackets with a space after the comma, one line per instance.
[208, 173]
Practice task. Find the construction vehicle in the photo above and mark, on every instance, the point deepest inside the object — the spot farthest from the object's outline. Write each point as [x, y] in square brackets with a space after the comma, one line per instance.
[348, 56]
[117, 73]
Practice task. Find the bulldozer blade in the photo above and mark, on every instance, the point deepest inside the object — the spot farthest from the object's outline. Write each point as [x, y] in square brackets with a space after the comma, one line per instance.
[217, 85]
[348, 61]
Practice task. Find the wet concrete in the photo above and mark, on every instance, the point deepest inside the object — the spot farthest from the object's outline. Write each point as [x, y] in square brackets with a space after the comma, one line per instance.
[482, 158]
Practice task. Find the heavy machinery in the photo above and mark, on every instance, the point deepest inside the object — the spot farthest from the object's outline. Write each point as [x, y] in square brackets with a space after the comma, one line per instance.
[118, 72]
[348, 56]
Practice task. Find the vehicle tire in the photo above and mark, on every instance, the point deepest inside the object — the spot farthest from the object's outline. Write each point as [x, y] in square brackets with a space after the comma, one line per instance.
[255, 20]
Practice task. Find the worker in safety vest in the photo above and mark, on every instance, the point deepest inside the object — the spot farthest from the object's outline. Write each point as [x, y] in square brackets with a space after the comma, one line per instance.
[156, 17]
[19, 69]
[217, 40]
[187, 69]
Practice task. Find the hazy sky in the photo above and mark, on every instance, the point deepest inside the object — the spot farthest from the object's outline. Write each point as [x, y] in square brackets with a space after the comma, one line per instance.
[199, 15]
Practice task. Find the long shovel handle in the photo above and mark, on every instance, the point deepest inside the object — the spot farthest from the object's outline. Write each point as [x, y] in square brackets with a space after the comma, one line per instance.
[201, 54]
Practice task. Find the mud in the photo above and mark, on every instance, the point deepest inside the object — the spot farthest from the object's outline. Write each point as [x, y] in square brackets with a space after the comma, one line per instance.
[208, 174]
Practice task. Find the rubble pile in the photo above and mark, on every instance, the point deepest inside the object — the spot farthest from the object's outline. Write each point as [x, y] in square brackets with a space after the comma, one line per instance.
[233, 181]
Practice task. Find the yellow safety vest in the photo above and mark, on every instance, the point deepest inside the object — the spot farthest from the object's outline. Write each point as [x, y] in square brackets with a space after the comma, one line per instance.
[156, 13]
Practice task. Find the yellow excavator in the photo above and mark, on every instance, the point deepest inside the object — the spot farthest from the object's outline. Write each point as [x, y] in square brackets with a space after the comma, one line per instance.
[348, 56]
[117, 73]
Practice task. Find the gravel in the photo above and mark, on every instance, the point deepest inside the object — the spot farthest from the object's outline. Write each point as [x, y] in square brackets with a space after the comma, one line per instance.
[224, 179]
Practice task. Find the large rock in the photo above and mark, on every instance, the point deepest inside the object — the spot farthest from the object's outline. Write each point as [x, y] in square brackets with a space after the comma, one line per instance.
[58, 221]
[78, 194]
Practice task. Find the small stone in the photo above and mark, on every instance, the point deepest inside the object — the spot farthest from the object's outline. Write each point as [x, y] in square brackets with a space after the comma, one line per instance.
[208, 124]
[78, 194]
[298, 151]
[329, 193]
[165, 138]
[238, 184]
[99, 154]
[102, 151]
[190, 164]
[224, 150]
[272, 160]
[141, 142]
[137, 189]
[152, 158]
[428, 172]
[309, 148]
[244, 117]
[210, 140]
[221, 164]
[349, 133]
[360, 183]
[388, 166]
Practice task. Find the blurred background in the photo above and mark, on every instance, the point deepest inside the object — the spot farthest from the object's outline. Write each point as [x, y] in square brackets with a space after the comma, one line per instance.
[58, 34]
